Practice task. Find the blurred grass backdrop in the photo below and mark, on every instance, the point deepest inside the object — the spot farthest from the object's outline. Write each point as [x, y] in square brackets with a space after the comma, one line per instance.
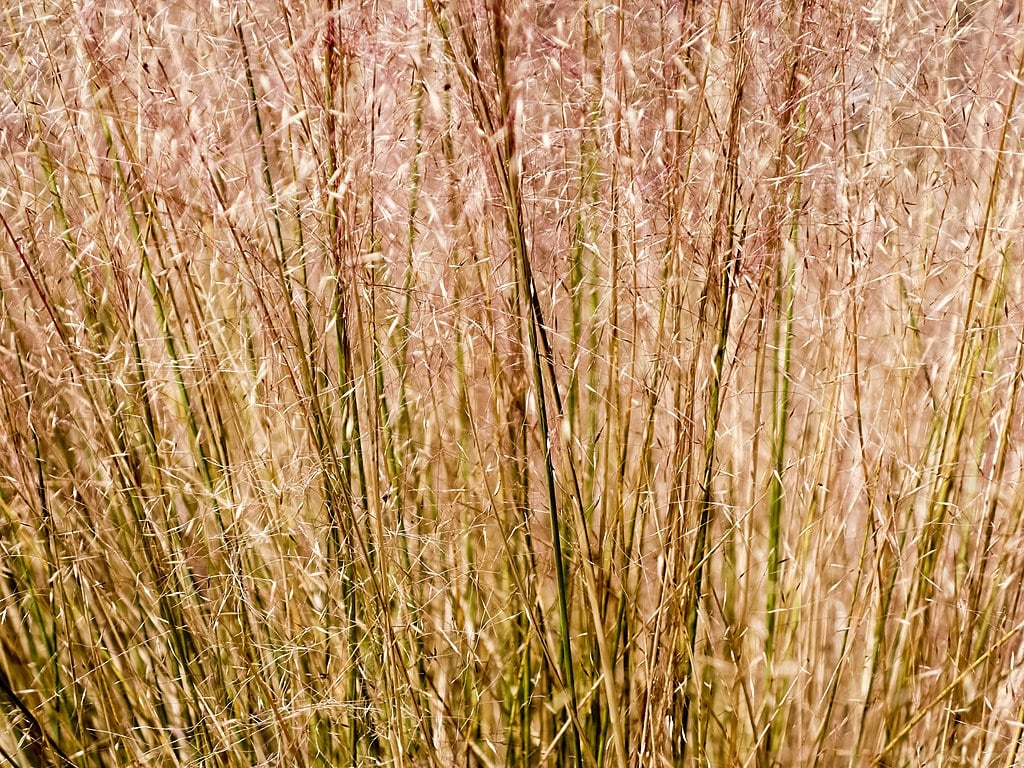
[496, 383]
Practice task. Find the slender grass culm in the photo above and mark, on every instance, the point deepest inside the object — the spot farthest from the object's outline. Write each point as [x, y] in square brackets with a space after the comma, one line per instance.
[504, 383]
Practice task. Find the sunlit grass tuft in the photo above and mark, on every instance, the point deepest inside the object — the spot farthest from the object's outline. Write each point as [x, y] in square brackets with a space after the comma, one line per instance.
[508, 384]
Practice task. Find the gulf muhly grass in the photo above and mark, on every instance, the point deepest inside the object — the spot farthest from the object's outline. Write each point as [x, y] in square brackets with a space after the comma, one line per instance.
[511, 384]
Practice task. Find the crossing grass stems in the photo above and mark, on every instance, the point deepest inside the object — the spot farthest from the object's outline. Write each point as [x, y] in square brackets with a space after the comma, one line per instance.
[510, 383]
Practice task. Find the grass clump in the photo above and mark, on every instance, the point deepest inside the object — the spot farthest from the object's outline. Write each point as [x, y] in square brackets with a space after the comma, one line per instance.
[507, 384]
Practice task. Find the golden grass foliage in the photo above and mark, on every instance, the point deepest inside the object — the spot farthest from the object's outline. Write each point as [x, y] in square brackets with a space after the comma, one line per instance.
[497, 383]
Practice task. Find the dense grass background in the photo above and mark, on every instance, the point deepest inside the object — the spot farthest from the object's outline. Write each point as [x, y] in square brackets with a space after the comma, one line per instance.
[511, 383]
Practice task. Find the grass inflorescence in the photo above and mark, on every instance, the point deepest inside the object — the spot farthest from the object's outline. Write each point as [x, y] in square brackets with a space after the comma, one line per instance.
[511, 384]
